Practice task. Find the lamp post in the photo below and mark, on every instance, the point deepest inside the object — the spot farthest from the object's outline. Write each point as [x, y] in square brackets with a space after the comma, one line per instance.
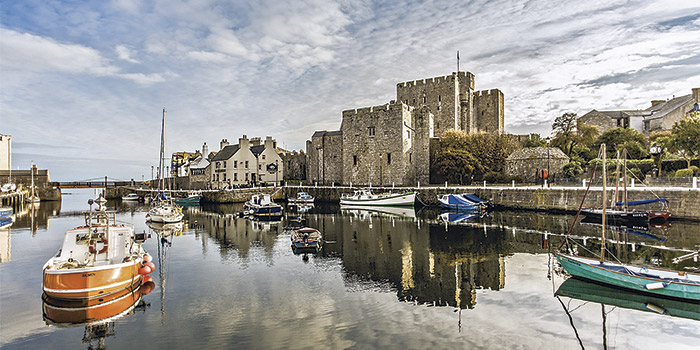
[277, 170]
[656, 151]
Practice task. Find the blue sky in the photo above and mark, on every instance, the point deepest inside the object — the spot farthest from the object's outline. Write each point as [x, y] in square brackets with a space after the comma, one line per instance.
[83, 83]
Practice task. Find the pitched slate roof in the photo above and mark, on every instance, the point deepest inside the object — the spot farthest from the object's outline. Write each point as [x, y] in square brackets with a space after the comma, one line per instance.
[537, 153]
[257, 149]
[664, 108]
[327, 133]
[226, 153]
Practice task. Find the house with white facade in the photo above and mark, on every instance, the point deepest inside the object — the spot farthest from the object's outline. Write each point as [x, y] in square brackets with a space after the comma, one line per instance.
[249, 162]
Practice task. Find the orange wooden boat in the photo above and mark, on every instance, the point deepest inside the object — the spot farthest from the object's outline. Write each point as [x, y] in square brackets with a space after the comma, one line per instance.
[72, 312]
[95, 260]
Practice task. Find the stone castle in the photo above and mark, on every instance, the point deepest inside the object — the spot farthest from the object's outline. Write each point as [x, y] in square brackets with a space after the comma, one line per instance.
[390, 144]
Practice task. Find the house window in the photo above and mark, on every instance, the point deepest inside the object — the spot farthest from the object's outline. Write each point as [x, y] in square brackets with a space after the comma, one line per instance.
[646, 125]
[246, 164]
[246, 176]
[263, 157]
[259, 166]
[388, 158]
[235, 164]
[235, 176]
[224, 176]
[224, 165]
[354, 160]
[371, 130]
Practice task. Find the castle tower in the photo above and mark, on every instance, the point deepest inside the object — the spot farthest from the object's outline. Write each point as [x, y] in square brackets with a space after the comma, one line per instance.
[449, 99]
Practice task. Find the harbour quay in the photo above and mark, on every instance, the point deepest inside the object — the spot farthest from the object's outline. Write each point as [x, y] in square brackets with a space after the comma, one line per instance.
[684, 203]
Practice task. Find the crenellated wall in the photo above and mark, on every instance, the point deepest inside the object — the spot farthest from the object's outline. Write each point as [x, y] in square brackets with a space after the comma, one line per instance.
[443, 95]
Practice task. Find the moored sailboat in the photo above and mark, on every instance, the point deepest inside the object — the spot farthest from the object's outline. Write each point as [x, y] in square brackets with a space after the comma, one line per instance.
[365, 197]
[163, 210]
[661, 282]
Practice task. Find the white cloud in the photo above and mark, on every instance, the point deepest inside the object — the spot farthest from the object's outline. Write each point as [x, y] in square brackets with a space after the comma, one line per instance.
[125, 54]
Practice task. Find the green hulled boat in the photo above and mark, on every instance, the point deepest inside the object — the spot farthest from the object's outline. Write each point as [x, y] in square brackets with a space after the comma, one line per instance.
[593, 292]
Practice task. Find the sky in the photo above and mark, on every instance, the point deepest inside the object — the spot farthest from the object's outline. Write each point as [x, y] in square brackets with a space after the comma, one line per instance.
[83, 83]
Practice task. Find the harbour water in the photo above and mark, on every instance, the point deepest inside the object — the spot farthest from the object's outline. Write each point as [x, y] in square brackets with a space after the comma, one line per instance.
[391, 279]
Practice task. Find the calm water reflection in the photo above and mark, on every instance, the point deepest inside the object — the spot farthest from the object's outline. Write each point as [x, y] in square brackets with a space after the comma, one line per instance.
[390, 279]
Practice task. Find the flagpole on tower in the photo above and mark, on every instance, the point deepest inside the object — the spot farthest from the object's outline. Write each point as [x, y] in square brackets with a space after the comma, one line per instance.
[457, 61]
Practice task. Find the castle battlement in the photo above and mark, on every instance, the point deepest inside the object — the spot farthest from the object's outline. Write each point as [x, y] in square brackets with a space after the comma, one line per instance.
[434, 80]
[488, 92]
[385, 107]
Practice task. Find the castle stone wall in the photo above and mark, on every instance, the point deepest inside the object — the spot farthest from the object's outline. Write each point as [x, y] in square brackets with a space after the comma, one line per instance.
[375, 144]
[488, 110]
[324, 161]
[442, 95]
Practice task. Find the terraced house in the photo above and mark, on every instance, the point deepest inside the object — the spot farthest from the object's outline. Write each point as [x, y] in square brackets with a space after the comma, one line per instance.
[250, 162]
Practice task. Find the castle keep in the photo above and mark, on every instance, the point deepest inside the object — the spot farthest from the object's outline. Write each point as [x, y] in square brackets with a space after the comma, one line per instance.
[390, 143]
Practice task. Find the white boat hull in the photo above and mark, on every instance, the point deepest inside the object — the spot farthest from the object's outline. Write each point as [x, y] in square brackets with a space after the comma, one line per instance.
[406, 199]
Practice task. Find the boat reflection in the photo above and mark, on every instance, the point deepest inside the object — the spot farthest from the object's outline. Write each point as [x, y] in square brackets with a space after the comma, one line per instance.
[456, 217]
[166, 230]
[364, 211]
[592, 292]
[98, 316]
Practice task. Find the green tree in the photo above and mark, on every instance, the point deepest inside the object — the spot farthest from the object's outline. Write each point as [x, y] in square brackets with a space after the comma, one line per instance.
[685, 138]
[462, 155]
[618, 138]
[564, 128]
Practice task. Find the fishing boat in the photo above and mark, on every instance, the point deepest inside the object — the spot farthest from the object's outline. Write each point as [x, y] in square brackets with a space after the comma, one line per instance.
[131, 197]
[264, 207]
[591, 292]
[163, 209]
[463, 201]
[660, 282]
[6, 218]
[306, 240]
[60, 312]
[302, 198]
[365, 197]
[191, 199]
[97, 259]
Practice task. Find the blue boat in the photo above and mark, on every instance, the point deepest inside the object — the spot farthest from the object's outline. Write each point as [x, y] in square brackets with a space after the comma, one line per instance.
[6, 217]
[462, 202]
[264, 207]
[306, 240]
[461, 216]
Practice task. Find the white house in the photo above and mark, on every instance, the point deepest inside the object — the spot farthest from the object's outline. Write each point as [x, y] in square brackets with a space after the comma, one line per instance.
[246, 163]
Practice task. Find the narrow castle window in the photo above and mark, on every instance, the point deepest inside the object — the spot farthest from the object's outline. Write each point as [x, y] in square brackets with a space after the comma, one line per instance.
[371, 130]
[388, 158]
[354, 160]
[425, 99]
[439, 98]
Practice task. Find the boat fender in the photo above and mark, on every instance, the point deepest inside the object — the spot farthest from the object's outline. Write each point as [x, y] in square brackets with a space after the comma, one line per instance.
[147, 287]
[144, 270]
[147, 279]
[151, 265]
[147, 258]
[655, 285]
[656, 308]
[93, 246]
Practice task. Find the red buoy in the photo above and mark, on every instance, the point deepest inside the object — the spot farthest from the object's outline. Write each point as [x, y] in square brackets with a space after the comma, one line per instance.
[145, 270]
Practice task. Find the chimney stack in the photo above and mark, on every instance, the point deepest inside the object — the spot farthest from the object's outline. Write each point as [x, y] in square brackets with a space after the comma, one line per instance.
[205, 150]
[243, 142]
[224, 143]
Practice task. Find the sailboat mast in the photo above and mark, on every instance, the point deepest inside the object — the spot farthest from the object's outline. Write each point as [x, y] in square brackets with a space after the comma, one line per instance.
[624, 176]
[160, 160]
[605, 199]
[617, 181]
